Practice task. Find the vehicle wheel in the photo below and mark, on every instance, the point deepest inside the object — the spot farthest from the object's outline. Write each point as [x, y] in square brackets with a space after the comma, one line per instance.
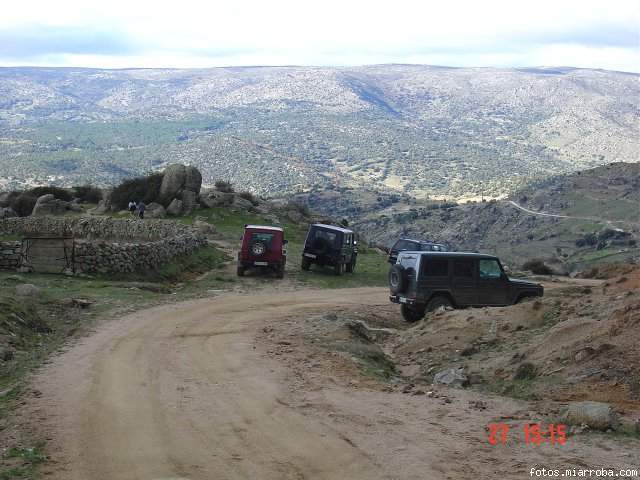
[351, 266]
[437, 302]
[339, 268]
[240, 271]
[305, 263]
[412, 314]
[280, 271]
[258, 249]
[397, 279]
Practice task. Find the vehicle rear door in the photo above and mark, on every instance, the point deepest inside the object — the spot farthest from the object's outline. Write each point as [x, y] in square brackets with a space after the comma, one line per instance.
[493, 284]
[463, 281]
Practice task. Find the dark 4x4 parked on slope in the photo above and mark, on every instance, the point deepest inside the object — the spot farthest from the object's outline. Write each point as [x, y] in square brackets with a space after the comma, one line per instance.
[424, 281]
[329, 245]
[262, 247]
[407, 244]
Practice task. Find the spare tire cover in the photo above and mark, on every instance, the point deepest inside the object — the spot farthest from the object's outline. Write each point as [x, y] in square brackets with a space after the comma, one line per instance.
[258, 249]
[397, 279]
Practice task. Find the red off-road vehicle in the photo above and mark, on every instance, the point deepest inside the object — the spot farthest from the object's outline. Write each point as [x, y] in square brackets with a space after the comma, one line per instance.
[262, 247]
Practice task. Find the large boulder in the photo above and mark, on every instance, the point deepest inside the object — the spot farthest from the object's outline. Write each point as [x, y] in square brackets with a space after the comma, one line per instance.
[7, 212]
[453, 377]
[178, 178]
[175, 207]
[49, 205]
[192, 179]
[27, 290]
[597, 415]
[189, 201]
[155, 210]
[215, 198]
[242, 203]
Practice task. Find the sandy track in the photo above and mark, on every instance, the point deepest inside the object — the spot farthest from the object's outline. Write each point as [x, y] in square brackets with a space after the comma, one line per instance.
[195, 391]
[179, 391]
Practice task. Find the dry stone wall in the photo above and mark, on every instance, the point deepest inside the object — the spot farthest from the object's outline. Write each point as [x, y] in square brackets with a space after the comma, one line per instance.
[10, 255]
[106, 245]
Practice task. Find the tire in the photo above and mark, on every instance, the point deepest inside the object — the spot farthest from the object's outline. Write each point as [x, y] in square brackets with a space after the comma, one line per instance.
[437, 302]
[240, 271]
[351, 266]
[397, 279]
[412, 314]
[306, 264]
[258, 249]
[339, 268]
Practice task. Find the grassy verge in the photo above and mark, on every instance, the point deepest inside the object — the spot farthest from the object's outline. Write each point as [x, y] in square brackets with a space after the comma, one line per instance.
[371, 269]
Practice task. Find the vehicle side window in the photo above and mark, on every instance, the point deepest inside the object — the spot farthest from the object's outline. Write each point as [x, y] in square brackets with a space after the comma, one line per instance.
[490, 269]
[403, 245]
[463, 268]
[435, 267]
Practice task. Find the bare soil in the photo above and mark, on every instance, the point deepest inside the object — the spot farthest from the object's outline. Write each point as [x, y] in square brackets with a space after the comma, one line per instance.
[278, 384]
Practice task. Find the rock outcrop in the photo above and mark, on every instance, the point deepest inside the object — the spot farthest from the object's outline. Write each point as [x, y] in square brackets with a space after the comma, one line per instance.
[182, 183]
[7, 212]
[50, 205]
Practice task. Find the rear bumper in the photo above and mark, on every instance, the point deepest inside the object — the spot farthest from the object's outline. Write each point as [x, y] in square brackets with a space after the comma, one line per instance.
[402, 300]
[320, 259]
[260, 264]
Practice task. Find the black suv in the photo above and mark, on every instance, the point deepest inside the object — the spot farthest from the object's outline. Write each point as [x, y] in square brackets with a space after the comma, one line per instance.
[407, 244]
[329, 245]
[423, 281]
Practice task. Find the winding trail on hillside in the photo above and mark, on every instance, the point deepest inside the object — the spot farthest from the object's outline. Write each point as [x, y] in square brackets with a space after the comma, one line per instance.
[555, 215]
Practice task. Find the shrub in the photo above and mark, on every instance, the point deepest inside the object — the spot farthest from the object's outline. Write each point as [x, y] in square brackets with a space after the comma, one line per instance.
[249, 196]
[8, 198]
[146, 189]
[88, 193]
[537, 266]
[59, 193]
[224, 187]
[23, 204]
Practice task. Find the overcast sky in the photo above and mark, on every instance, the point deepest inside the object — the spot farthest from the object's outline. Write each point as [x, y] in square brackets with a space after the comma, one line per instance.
[188, 33]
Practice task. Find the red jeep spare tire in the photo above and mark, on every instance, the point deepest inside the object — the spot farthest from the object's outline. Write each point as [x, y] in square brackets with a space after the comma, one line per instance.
[397, 279]
[258, 249]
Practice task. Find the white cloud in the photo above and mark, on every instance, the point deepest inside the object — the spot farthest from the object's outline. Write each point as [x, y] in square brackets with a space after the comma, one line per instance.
[194, 33]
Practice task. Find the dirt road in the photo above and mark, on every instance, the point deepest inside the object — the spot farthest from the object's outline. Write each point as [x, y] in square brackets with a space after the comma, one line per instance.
[179, 392]
[189, 391]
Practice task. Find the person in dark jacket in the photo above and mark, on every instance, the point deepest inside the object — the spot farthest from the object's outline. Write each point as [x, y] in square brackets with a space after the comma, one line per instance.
[141, 208]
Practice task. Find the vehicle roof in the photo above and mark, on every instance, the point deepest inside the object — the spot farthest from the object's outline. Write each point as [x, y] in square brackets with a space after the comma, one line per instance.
[428, 242]
[264, 227]
[332, 227]
[450, 254]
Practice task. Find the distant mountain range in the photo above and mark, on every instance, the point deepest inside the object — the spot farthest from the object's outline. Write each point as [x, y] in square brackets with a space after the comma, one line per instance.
[420, 130]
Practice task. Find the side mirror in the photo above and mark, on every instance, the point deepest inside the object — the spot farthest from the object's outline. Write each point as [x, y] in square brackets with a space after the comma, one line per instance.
[284, 242]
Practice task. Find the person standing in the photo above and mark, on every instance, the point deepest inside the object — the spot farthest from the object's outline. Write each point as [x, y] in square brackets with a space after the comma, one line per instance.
[132, 207]
[141, 209]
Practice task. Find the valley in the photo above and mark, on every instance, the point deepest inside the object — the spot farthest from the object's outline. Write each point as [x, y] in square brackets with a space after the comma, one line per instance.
[420, 130]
